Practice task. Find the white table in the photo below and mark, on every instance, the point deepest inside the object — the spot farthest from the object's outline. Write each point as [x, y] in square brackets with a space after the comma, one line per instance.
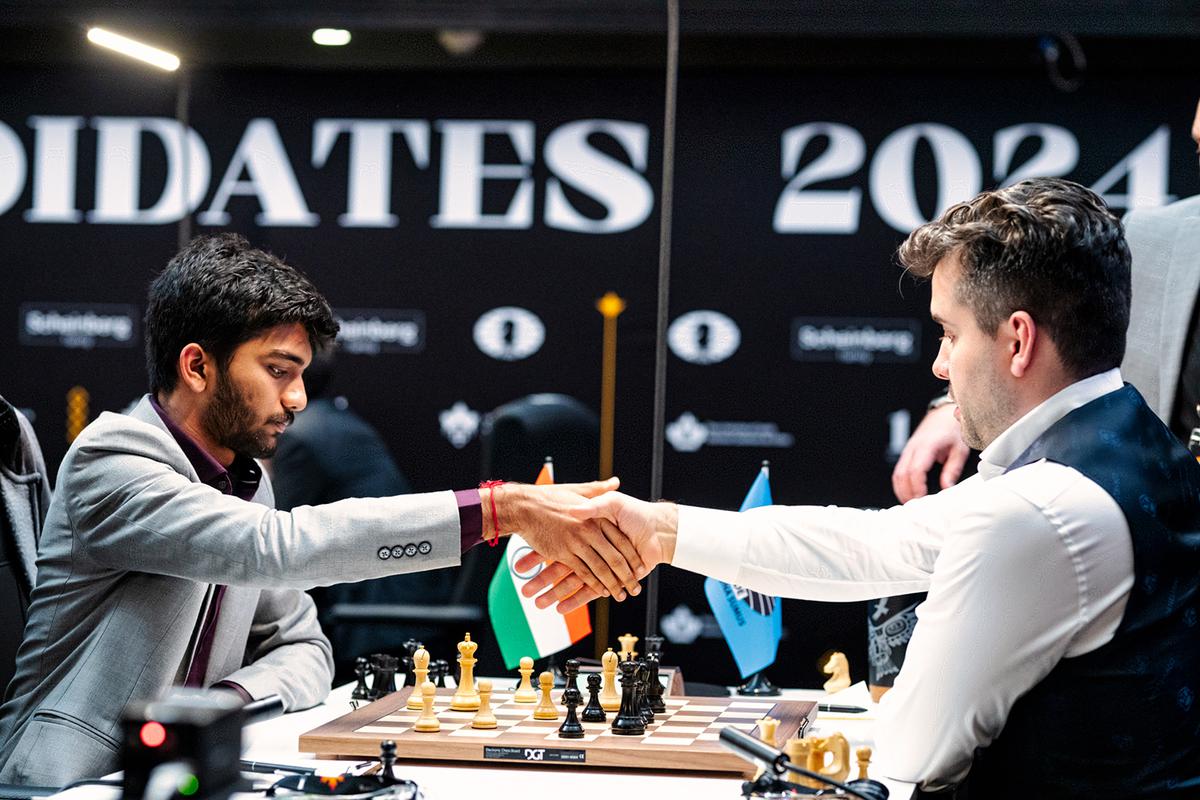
[277, 741]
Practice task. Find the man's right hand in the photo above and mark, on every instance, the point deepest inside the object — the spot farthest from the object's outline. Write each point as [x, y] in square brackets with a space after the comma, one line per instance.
[938, 439]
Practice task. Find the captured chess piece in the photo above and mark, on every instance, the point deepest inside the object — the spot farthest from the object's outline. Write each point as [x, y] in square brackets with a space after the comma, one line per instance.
[838, 667]
[428, 721]
[609, 699]
[545, 707]
[525, 693]
[387, 761]
[465, 697]
[593, 712]
[863, 756]
[629, 720]
[627, 640]
[361, 667]
[767, 728]
[420, 668]
[811, 753]
[485, 719]
[383, 675]
[571, 728]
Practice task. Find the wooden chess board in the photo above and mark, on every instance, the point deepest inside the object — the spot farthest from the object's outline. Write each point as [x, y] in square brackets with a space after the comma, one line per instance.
[684, 738]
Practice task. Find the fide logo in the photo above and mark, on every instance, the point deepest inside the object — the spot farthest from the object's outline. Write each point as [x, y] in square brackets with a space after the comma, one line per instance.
[459, 424]
[509, 333]
[704, 337]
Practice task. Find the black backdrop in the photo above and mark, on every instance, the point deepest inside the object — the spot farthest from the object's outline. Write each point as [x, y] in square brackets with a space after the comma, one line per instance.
[832, 360]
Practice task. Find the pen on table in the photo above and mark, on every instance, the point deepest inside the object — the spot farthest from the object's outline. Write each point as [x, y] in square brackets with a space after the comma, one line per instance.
[268, 767]
[834, 709]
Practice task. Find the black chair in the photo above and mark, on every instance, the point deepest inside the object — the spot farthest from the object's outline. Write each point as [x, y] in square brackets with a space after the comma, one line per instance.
[24, 497]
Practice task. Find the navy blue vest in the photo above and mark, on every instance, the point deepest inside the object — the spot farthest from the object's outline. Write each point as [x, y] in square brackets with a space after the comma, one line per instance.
[1122, 720]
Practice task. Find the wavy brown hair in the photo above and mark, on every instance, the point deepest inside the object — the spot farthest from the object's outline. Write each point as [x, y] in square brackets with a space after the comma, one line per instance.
[1047, 246]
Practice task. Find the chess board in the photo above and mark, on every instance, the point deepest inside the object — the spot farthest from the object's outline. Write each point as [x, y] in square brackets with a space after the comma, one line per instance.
[683, 738]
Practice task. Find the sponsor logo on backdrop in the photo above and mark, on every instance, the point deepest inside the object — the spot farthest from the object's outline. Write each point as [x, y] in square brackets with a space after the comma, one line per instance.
[78, 325]
[509, 333]
[688, 434]
[704, 337]
[380, 330]
[684, 626]
[855, 340]
[459, 424]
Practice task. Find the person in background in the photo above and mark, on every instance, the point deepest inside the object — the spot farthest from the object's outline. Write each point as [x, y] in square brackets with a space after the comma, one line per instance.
[1162, 356]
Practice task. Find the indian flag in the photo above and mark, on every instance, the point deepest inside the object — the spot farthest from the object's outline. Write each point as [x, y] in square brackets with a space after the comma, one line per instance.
[523, 629]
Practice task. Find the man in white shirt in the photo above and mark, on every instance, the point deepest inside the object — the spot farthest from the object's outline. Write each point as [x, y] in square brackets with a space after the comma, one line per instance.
[1060, 578]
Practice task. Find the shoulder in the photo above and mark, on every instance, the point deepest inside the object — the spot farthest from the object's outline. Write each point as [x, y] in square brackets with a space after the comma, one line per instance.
[1043, 509]
[94, 452]
[1143, 219]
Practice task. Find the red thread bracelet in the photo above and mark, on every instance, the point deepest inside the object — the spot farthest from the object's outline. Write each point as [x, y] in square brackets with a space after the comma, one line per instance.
[492, 542]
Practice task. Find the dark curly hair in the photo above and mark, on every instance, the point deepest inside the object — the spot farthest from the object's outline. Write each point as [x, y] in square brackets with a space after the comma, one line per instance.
[1047, 246]
[220, 292]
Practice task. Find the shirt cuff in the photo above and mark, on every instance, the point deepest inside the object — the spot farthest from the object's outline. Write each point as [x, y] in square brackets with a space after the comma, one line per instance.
[470, 518]
[234, 687]
[710, 542]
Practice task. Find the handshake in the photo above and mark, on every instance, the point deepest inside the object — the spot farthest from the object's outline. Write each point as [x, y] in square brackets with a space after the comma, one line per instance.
[594, 541]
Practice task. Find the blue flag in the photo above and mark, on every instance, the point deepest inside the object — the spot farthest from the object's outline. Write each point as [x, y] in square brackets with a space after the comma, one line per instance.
[751, 622]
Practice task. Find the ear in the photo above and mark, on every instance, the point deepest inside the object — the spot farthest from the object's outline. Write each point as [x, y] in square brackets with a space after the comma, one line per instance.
[196, 368]
[1023, 340]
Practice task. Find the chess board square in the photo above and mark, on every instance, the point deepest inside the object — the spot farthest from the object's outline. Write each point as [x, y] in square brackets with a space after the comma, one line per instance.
[669, 740]
[761, 704]
[400, 717]
[693, 729]
[554, 737]
[477, 734]
[702, 719]
[741, 715]
[708, 737]
[698, 708]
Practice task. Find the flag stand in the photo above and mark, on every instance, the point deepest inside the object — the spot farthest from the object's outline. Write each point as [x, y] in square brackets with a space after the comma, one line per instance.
[759, 685]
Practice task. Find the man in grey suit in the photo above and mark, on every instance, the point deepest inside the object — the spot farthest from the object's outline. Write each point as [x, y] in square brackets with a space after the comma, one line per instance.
[1162, 355]
[163, 561]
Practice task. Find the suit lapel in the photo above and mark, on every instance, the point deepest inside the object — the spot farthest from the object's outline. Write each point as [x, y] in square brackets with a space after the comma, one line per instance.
[1183, 280]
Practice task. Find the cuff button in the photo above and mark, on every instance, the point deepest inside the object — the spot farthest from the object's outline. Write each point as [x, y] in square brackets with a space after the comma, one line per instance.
[424, 548]
[384, 553]
[398, 551]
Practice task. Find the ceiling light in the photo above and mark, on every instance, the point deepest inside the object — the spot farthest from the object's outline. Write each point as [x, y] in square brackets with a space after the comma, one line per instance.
[331, 37]
[134, 49]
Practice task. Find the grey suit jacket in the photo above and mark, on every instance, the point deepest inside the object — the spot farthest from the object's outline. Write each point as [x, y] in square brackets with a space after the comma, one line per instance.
[1165, 245]
[131, 547]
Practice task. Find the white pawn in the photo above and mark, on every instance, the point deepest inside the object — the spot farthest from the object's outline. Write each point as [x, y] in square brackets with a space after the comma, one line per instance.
[484, 719]
[545, 707]
[610, 700]
[421, 671]
[428, 721]
[525, 692]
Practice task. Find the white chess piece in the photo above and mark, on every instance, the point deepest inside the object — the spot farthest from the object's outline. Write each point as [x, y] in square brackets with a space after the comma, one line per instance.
[421, 671]
[465, 697]
[428, 721]
[525, 692]
[484, 718]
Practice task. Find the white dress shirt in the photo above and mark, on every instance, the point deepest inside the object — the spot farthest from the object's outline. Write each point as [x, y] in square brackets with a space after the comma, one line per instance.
[1022, 569]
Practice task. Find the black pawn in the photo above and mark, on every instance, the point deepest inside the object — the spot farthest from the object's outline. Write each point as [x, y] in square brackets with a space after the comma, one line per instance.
[593, 712]
[570, 677]
[361, 667]
[387, 758]
[644, 691]
[629, 720]
[571, 728]
[441, 668]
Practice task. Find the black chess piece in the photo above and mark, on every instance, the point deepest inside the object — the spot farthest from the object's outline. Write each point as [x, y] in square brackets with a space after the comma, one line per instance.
[571, 728]
[387, 758]
[653, 644]
[593, 712]
[441, 669]
[383, 670]
[644, 691]
[361, 667]
[654, 687]
[411, 646]
[571, 675]
[629, 720]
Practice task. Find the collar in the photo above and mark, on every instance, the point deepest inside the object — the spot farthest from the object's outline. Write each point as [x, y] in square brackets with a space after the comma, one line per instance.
[1015, 439]
[242, 477]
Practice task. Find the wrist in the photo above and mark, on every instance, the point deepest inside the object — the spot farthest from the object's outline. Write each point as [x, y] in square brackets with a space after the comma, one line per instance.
[666, 529]
[497, 502]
